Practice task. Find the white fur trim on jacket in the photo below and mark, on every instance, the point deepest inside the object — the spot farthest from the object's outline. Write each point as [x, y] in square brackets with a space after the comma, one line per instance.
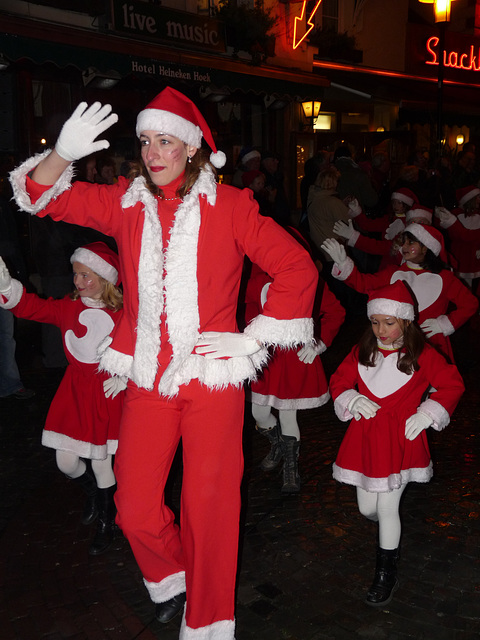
[18, 179]
[282, 333]
[13, 296]
[445, 325]
[341, 272]
[341, 404]
[435, 411]
[167, 588]
[220, 630]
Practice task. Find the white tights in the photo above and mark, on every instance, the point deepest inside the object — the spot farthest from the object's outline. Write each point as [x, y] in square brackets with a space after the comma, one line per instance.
[384, 508]
[266, 420]
[73, 466]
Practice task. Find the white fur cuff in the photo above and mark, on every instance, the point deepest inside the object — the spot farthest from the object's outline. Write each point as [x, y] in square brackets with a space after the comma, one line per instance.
[342, 271]
[167, 588]
[341, 404]
[445, 325]
[220, 630]
[283, 333]
[436, 412]
[14, 295]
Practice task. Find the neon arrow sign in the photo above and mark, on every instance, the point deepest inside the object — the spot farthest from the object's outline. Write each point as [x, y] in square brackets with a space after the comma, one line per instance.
[296, 39]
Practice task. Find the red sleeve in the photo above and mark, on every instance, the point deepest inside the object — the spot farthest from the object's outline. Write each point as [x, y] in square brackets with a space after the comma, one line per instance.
[332, 315]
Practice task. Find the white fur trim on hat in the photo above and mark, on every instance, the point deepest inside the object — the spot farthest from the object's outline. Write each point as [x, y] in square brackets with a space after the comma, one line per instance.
[421, 233]
[403, 198]
[468, 196]
[419, 213]
[387, 307]
[170, 124]
[250, 155]
[96, 263]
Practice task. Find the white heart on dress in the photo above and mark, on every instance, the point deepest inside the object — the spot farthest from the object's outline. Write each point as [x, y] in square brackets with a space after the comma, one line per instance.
[426, 286]
[384, 378]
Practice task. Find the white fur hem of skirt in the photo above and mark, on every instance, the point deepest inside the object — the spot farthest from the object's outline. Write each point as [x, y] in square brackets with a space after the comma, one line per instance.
[167, 588]
[382, 485]
[221, 630]
[468, 276]
[61, 442]
[289, 404]
[282, 333]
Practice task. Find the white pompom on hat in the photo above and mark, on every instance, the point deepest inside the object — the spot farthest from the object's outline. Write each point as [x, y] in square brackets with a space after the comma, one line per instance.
[174, 114]
[394, 300]
[99, 258]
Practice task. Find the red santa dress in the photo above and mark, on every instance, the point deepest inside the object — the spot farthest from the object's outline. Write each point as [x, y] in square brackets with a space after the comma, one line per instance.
[374, 454]
[80, 419]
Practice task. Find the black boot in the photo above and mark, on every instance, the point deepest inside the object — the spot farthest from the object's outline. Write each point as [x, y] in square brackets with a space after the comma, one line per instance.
[89, 486]
[385, 581]
[106, 521]
[291, 478]
[166, 611]
[275, 454]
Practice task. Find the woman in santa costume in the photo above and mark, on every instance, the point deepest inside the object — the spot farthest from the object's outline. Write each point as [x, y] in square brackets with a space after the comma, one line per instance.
[294, 379]
[182, 239]
[463, 228]
[381, 387]
[444, 302]
[84, 418]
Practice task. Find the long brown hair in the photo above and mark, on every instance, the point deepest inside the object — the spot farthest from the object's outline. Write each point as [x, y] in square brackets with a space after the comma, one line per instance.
[413, 344]
[192, 171]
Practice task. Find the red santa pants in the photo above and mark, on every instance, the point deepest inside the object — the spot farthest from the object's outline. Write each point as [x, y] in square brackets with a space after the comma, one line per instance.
[205, 548]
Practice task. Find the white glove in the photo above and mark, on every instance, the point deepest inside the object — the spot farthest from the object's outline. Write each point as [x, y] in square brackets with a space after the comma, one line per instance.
[393, 229]
[444, 216]
[308, 353]
[416, 424]
[431, 327]
[77, 137]
[222, 344]
[477, 254]
[354, 208]
[5, 278]
[114, 385]
[363, 406]
[335, 250]
[343, 229]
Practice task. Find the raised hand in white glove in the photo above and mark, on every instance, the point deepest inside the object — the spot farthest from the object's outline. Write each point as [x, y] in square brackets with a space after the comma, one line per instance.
[444, 216]
[335, 250]
[222, 344]
[393, 229]
[308, 353]
[344, 229]
[362, 406]
[354, 208]
[77, 137]
[5, 278]
[431, 327]
[112, 386]
[416, 424]
[477, 254]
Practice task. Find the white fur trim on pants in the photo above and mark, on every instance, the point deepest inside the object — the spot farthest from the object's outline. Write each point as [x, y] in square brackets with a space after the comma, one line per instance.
[221, 630]
[167, 588]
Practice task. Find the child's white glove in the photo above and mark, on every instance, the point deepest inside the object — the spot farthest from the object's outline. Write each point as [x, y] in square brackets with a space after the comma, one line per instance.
[393, 229]
[308, 353]
[5, 278]
[335, 250]
[416, 424]
[444, 216]
[77, 137]
[477, 254]
[431, 327]
[354, 208]
[222, 344]
[112, 386]
[343, 229]
[362, 406]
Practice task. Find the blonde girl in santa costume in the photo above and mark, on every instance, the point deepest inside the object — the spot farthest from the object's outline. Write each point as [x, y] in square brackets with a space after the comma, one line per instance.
[444, 302]
[182, 240]
[381, 387]
[84, 417]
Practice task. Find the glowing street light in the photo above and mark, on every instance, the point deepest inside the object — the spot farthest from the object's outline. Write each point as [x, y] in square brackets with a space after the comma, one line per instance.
[441, 8]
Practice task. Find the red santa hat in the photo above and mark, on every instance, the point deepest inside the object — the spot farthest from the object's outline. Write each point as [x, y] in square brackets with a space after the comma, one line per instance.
[465, 194]
[174, 114]
[99, 258]
[419, 211]
[394, 300]
[249, 176]
[429, 236]
[405, 195]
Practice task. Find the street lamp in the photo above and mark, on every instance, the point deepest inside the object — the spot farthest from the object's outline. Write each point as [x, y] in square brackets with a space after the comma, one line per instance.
[441, 8]
[311, 109]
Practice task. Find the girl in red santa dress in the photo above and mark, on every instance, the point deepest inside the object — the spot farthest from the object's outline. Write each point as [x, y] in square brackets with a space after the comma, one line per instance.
[84, 416]
[382, 384]
[182, 241]
[294, 378]
[444, 302]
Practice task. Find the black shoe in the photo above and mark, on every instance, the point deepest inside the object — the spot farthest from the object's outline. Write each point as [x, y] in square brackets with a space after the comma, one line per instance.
[166, 611]
[22, 394]
[385, 582]
[275, 454]
[105, 533]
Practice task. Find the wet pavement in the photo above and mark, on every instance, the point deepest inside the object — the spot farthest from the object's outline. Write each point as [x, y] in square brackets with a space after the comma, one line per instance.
[306, 560]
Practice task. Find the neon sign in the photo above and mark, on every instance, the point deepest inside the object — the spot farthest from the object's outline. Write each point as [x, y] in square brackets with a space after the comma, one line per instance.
[297, 38]
[466, 61]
